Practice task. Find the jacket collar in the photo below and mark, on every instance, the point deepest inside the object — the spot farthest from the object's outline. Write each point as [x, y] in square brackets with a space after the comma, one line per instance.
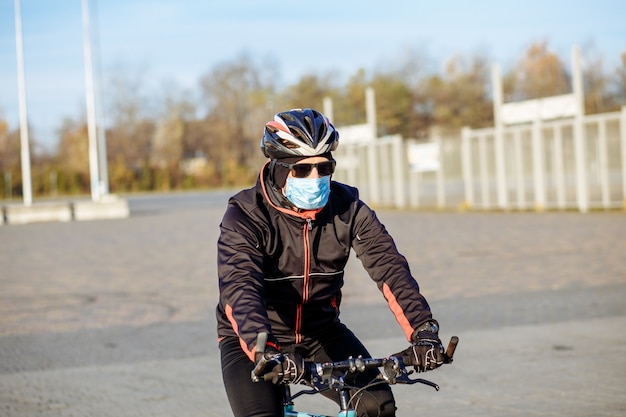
[275, 202]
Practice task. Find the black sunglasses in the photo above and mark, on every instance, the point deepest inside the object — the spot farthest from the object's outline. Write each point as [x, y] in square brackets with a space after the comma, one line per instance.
[304, 170]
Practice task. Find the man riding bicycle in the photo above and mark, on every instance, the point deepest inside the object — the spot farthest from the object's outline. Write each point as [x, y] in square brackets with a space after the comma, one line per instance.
[282, 251]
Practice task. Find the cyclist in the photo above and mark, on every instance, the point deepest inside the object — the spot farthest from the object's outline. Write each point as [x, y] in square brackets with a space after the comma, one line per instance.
[282, 250]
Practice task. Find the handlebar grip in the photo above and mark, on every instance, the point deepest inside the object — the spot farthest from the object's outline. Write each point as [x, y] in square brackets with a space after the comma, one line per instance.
[454, 341]
[261, 341]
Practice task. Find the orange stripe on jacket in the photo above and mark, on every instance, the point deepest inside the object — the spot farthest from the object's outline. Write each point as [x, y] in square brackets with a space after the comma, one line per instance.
[244, 346]
[398, 312]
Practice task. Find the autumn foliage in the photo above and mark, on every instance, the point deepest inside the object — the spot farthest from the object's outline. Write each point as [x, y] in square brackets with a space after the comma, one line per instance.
[166, 139]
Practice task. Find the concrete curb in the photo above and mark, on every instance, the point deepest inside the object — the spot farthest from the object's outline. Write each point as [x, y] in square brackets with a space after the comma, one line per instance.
[36, 213]
[109, 207]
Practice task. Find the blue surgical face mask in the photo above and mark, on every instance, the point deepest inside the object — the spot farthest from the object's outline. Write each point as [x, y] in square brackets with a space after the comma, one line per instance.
[308, 193]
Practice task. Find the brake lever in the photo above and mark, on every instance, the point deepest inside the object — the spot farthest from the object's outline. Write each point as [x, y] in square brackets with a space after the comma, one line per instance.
[402, 375]
[404, 379]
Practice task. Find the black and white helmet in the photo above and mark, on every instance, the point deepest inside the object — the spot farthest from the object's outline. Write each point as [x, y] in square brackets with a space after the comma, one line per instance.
[298, 133]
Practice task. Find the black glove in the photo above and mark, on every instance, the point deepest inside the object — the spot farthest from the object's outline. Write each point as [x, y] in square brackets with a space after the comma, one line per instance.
[283, 368]
[426, 351]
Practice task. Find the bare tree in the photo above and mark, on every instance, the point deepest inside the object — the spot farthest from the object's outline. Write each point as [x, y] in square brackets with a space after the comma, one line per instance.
[459, 97]
[597, 85]
[621, 80]
[73, 156]
[309, 91]
[540, 73]
[168, 142]
[9, 159]
[129, 138]
[394, 106]
[402, 106]
[237, 96]
[350, 107]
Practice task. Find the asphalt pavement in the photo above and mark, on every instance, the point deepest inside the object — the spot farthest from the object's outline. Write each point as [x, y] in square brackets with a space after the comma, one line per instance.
[116, 317]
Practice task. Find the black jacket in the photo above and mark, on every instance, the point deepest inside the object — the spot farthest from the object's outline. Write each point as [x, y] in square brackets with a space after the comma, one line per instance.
[281, 271]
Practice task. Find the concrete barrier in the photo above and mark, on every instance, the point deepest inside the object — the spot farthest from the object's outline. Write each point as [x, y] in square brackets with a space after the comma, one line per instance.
[39, 212]
[109, 207]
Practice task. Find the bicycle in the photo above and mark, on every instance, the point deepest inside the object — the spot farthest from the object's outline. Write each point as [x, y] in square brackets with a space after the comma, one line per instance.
[331, 376]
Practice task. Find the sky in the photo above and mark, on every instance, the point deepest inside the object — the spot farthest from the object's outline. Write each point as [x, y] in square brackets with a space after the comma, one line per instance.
[177, 42]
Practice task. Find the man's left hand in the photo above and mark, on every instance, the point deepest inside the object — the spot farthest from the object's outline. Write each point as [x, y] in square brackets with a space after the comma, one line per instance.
[426, 351]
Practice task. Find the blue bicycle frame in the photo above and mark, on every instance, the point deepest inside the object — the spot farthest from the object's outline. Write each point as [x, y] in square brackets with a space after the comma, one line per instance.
[291, 412]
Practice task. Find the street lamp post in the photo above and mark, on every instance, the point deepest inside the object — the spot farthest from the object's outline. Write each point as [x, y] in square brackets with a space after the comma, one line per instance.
[21, 85]
[94, 170]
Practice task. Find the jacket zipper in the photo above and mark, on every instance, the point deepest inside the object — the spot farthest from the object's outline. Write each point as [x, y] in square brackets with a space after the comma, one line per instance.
[308, 226]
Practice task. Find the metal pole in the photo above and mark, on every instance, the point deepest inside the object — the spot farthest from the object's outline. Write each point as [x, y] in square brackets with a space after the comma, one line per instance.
[520, 173]
[559, 177]
[101, 137]
[21, 85]
[327, 108]
[414, 183]
[466, 159]
[441, 184]
[91, 107]
[370, 110]
[582, 191]
[483, 168]
[622, 129]
[496, 81]
[603, 165]
[537, 150]
[373, 177]
[399, 162]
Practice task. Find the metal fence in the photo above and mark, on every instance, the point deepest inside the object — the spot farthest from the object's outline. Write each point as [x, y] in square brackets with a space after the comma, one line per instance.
[539, 166]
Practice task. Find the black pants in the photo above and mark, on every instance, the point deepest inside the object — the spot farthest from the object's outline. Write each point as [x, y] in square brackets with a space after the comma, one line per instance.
[264, 399]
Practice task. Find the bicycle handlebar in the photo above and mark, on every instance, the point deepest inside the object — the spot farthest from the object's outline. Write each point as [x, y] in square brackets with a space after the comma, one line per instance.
[393, 371]
[454, 341]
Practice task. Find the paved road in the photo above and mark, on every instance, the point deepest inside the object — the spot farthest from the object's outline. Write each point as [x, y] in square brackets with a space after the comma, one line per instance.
[115, 317]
